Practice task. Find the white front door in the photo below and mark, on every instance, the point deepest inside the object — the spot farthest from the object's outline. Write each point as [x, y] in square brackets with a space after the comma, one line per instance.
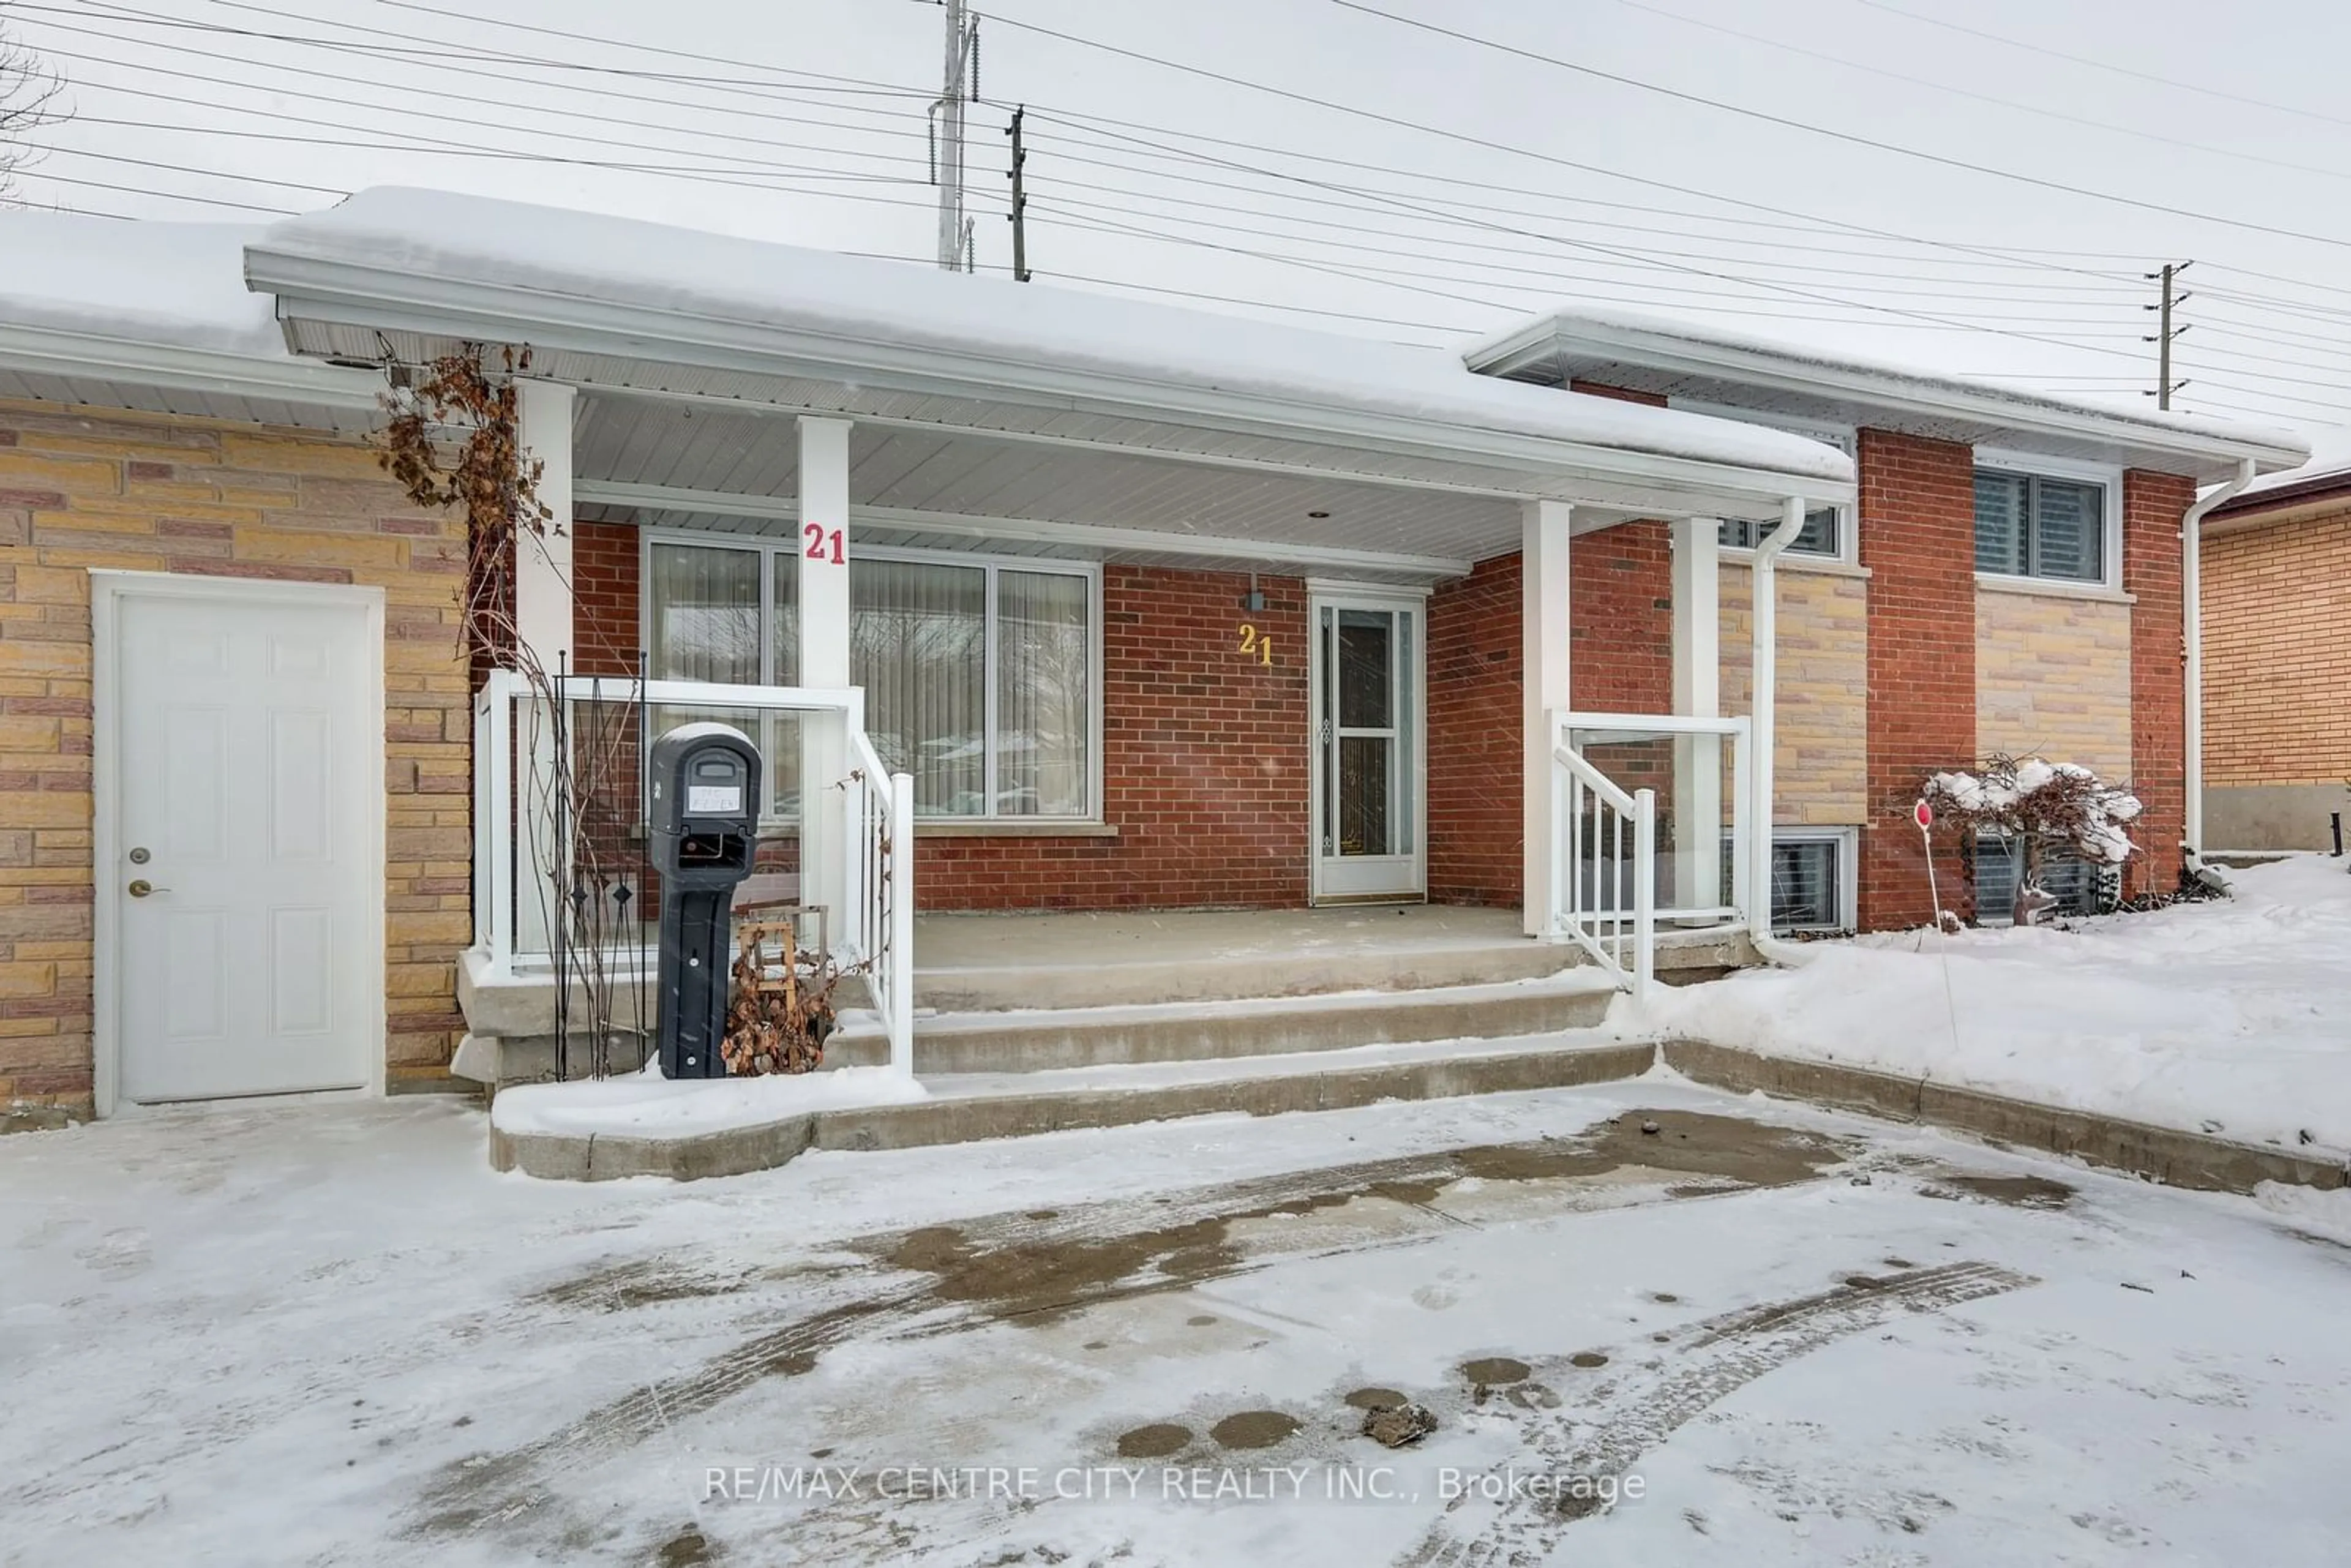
[244, 862]
[1368, 772]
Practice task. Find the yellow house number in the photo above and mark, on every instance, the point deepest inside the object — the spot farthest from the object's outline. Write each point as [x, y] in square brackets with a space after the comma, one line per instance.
[1256, 642]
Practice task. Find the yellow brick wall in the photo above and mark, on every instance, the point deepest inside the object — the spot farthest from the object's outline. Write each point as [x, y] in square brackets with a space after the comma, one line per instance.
[1821, 764]
[2053, 679]
[2277, 652]
[82, 488]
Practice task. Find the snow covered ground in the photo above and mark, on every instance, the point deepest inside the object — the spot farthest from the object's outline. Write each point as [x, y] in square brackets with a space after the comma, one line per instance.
[2231, 1017]
[327, 1334]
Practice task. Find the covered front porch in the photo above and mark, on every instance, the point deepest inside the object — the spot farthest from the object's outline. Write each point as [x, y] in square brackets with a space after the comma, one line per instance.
[1139, 609]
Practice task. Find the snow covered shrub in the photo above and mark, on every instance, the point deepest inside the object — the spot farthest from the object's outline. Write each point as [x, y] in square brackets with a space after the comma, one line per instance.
[2043, 806]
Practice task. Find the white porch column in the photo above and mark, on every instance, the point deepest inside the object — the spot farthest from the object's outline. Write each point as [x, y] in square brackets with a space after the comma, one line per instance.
[822, 580]
[1543, 663]
[543, 558]
[1697, 694]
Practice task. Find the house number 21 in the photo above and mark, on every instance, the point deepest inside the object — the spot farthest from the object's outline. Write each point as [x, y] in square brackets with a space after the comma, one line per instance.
[1256, 642]
[825, 546]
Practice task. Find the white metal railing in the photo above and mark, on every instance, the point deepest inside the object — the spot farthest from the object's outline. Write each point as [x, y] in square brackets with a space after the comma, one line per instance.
[1610, 886]
[856, 836]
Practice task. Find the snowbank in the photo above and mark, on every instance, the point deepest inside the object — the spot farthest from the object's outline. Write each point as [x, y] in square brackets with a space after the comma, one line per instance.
[647, 1105]
[2231, 1017]
[180, 284]
[713, 286]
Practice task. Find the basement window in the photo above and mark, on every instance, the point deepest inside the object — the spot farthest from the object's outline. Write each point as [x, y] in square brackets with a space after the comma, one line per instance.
[1814, 877]
[2080, 886]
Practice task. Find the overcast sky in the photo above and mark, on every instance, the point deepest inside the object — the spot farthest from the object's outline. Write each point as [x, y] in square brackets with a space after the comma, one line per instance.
[1452, 202]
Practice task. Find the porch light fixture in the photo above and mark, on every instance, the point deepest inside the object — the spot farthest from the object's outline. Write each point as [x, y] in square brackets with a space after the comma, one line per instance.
[1318, 516]
[1253, 601]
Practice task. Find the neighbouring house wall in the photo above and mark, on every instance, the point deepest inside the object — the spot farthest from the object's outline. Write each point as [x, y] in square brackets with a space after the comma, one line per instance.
[82, 488]
[2053, 680]
[2277, 669]
[1476, 753]
[1819, 750]
[1917, 539]
[2153, 504]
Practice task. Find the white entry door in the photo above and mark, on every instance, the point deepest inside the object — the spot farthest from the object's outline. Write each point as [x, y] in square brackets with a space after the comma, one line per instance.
[242, 875]
[1368, 771]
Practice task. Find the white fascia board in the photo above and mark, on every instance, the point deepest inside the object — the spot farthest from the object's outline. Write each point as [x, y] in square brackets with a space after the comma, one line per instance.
[341, 291]
[1926, 395]
[1027, 530]
[43, 351]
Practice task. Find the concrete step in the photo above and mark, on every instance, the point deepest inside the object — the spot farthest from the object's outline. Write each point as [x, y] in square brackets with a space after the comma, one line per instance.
[1062, 1038]
[968, 964]
[964, 1107]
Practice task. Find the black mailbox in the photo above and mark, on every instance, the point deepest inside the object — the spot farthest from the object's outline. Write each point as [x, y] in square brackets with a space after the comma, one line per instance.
[705, 812]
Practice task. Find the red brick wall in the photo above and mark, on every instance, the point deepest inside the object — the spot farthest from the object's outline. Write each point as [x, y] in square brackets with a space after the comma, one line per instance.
[1475, 757]
[2152, 508]
[1917, 539]
[1621, 639]
[604, 630]
[1204, 764]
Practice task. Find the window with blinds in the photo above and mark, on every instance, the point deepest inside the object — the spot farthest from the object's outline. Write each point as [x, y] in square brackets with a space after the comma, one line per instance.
[1821, 535]
[1808, 887]
[2080, 886]
[978, 672]
[2033, 525]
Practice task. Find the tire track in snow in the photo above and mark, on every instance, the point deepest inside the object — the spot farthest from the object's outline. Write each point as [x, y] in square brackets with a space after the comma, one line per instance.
[1730, 1352]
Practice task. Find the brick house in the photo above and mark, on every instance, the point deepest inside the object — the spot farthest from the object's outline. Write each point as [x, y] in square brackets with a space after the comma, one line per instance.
[2277, 660]
[1150, 609]
[2009, 581]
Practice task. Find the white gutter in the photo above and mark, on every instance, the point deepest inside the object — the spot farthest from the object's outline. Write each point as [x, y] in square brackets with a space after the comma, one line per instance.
[2191, 614]
[1886, 388]
[42, 350]
[1761, 709]
[385, 299]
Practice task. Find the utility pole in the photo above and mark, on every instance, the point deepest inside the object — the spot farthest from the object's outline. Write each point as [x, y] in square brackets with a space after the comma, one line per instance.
[2165, 331]
[1020, 199]
[959, 85]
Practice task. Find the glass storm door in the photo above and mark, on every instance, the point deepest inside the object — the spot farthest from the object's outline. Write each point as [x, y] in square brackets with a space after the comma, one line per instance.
[1368, 775]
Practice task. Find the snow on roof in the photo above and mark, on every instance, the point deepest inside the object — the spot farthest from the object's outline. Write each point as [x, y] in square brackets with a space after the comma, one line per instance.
[1632, 332]
[2330, 458]
[711, 279]
[177, 284]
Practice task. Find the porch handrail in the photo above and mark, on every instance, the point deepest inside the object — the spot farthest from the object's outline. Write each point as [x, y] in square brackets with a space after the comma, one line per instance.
[1600, 926]
[511, 792]
[882, 896]
[1734, 730]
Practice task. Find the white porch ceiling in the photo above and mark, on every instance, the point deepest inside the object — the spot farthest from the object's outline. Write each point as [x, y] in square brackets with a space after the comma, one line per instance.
[715, 451]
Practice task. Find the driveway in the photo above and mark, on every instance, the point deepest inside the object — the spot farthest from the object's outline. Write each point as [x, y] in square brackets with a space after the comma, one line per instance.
[1649, 1323]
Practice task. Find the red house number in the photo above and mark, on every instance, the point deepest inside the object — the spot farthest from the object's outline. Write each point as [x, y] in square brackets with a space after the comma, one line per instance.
[823, 546]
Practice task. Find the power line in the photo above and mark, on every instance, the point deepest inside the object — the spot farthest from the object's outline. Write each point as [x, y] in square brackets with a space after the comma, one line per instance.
[473, 100]
[2100, 64]
[190, 169]
[167, 195]
[1455, 218]
[1852, 138]
[1554, 273]
[2007, 103]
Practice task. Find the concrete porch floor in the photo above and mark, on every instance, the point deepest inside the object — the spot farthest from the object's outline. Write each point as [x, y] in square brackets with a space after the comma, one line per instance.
[981, 963]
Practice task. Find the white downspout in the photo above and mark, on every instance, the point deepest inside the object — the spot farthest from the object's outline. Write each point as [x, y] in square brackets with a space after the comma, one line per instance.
[2191, 613]
[1761, 706]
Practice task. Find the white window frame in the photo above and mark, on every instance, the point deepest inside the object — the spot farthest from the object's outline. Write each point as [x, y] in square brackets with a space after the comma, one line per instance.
[2110, 555]
[1848, 871]
[770, 546]
[1845, 438]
